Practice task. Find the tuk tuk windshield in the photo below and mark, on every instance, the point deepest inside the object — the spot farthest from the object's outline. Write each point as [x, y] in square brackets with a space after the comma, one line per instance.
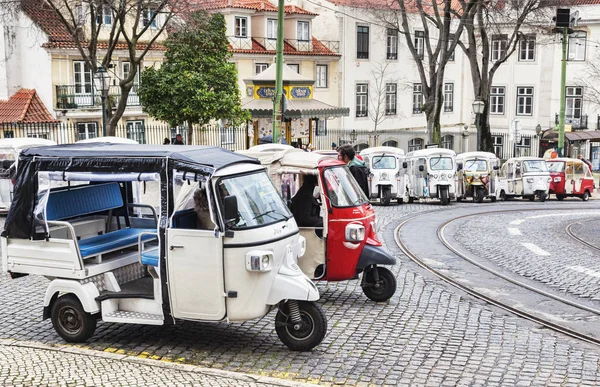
[476, 165]
[555, 166]
[342, 189]
[383, 162]
[535, 166]
[259, 204]
[440, 163]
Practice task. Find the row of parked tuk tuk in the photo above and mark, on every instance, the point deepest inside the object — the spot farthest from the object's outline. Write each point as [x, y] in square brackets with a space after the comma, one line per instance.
[436, 173]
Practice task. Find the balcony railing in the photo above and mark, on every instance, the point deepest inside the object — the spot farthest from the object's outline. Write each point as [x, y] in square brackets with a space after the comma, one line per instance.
[577, 123]
[86, 96]
[240, 43]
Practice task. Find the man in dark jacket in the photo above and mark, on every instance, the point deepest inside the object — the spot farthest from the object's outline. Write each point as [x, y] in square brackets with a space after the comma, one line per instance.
[357, 167]
[305, 207]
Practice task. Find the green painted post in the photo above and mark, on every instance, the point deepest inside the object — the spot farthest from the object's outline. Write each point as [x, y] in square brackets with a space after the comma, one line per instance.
[563, 94]
[277, 113]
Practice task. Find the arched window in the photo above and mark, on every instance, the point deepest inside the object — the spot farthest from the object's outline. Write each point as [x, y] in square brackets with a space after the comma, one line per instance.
[415, 144]
[359, 147]
[391, 143]
[448, 141]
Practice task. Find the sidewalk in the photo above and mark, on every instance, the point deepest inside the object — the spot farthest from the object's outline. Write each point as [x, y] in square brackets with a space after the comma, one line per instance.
[34, 364]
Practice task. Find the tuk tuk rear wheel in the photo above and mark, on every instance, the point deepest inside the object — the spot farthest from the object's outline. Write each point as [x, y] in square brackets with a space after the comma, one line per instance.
[531, 198]
[384, 288]
[70, 321]
[493, 199]
[560, 197]
[542, 196]
[303, 335]
[586, 196]
[386, 195]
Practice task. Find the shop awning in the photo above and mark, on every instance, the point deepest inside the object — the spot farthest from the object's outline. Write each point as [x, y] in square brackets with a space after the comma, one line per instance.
[583, 135]
[296, 108]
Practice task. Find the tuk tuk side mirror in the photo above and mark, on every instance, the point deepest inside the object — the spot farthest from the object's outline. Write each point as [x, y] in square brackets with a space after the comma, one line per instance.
[404, 165]
[459, 167]
[496, 167]
[421, 168]
[230, 211]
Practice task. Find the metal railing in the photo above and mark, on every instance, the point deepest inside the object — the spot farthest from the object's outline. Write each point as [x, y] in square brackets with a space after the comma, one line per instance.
[575, 122]
[270, 44]
[86, 96]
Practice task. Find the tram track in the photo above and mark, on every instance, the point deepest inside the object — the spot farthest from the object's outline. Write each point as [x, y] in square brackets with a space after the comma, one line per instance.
[491, 300]
[569, 232]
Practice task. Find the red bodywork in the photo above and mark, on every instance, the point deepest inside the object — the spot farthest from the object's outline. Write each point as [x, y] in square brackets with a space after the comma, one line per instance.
[557, 187]
[568, 183]
[342, 257]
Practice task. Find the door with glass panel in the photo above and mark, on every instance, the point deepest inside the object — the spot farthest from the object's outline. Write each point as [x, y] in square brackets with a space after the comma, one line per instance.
[83, 84]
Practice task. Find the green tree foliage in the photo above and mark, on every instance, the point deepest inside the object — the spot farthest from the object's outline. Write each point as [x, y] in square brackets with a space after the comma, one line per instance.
[197, 83]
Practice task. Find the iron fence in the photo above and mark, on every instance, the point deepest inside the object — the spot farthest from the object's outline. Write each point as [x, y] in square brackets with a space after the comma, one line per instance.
[576, 123]
[86, 96]
[270, 44]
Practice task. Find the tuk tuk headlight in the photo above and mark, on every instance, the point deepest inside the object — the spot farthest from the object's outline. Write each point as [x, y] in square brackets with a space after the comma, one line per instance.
[530, 179]
[557, 179]
[549, 179]
[302, 244]
[435, 176]
[383, 176]
[259, 261]
[355, 233]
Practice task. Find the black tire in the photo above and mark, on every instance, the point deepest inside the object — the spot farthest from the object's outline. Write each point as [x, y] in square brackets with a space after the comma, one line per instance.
[70, 321]
[586, 196]
[560, 197]
[444, 196]
[479, 195]
[311, 332]
[400, 200]
[385, 287]
[386, 196]
[493, 199]
[458, 199]
[410, 200]
[542, 196]
[502, 195]
[531, 198]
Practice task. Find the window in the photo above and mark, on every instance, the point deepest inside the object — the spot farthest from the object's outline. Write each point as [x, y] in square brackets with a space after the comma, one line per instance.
[87, 130]
[260, 67]
[148, 15]
[497, 144]
[573, 102]
[449, 97]
[80, 15]
[417, 98]
[227, 135]
[241, 27]
[82, 77]
[321, 76]
[392, 143]
[303, 31]
[527, 48]
[362, 42]
[524, 148]
[524, 101]
[499, 44]
[321, 127]
[448, 141]
[415, 144]
[271, 28]
[497, 99]
[391, 98]
[136, 131]
[420, 43]
[450, 42]
[126, 70]
[577, 43]
[362, 97]
[295, 67]
[103, 15]
[392, 43]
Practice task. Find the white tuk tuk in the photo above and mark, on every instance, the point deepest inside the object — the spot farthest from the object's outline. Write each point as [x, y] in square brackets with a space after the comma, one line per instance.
[226, 249]
[386, 177]
[527, 177]
[9, 154]
[476, 176]
[431, 173]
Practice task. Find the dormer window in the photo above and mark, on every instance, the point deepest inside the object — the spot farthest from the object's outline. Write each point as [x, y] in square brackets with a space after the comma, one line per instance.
[103, 15]
[147, 14]
[271, 28]
[241, 27]
[303, 31]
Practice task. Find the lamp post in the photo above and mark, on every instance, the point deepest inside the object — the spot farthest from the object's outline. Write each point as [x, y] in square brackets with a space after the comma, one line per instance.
[101, 80]
[538, 132]
[478, 106]
[465, 136]
[353, 136]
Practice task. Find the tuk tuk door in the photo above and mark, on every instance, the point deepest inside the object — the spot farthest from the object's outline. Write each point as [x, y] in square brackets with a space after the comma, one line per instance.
[195, 274]
[518, 180]
[421, 177]
[569, 177]
[579, 174]
[510, 178]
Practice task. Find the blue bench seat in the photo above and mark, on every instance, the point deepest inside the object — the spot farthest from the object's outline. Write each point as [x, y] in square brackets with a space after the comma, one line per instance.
[113, 240]
[150, 258]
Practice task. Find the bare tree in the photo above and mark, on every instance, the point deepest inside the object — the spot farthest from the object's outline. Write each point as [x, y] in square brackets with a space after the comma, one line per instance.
[500, 23]
[135, 27]
[377, 96]
[589, 79]
[430, 51]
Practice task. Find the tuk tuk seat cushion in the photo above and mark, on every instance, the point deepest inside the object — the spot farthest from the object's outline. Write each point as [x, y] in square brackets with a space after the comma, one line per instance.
[83, 200]
[150, 258]
[113, 240]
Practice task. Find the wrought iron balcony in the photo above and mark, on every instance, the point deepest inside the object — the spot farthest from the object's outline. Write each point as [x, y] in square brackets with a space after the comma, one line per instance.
[269, 44]
[577, 123]
[86, 96]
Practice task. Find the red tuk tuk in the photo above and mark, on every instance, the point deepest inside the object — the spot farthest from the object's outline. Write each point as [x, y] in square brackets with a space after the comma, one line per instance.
[346, 245]
[570, 177]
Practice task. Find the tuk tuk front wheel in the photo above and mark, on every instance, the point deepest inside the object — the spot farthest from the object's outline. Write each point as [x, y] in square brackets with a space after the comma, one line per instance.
[380, 284]
[479, 195]
[70, 321]
[444, 196]
[542, 196]
[560, 197]
[493, 199]
[386, 195]
[300, 325]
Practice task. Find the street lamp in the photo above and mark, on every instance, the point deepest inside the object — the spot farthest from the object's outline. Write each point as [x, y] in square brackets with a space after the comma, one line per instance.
[101, 82]
[353, 135]
[538, 129]
[478, 106]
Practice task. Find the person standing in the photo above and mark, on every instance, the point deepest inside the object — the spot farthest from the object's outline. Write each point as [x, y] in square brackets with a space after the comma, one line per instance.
[357, 167]
[305, 207]
[178, 140]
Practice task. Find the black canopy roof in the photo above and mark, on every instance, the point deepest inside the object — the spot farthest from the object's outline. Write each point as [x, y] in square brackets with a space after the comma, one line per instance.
[210, 156]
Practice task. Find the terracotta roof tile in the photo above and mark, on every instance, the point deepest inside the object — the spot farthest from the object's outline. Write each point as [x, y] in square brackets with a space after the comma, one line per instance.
[25, 106]
[255, 5]
[318, 49]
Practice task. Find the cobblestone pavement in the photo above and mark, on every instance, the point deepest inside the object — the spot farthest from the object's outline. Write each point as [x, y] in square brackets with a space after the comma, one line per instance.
[588, 231]
[428, 334]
